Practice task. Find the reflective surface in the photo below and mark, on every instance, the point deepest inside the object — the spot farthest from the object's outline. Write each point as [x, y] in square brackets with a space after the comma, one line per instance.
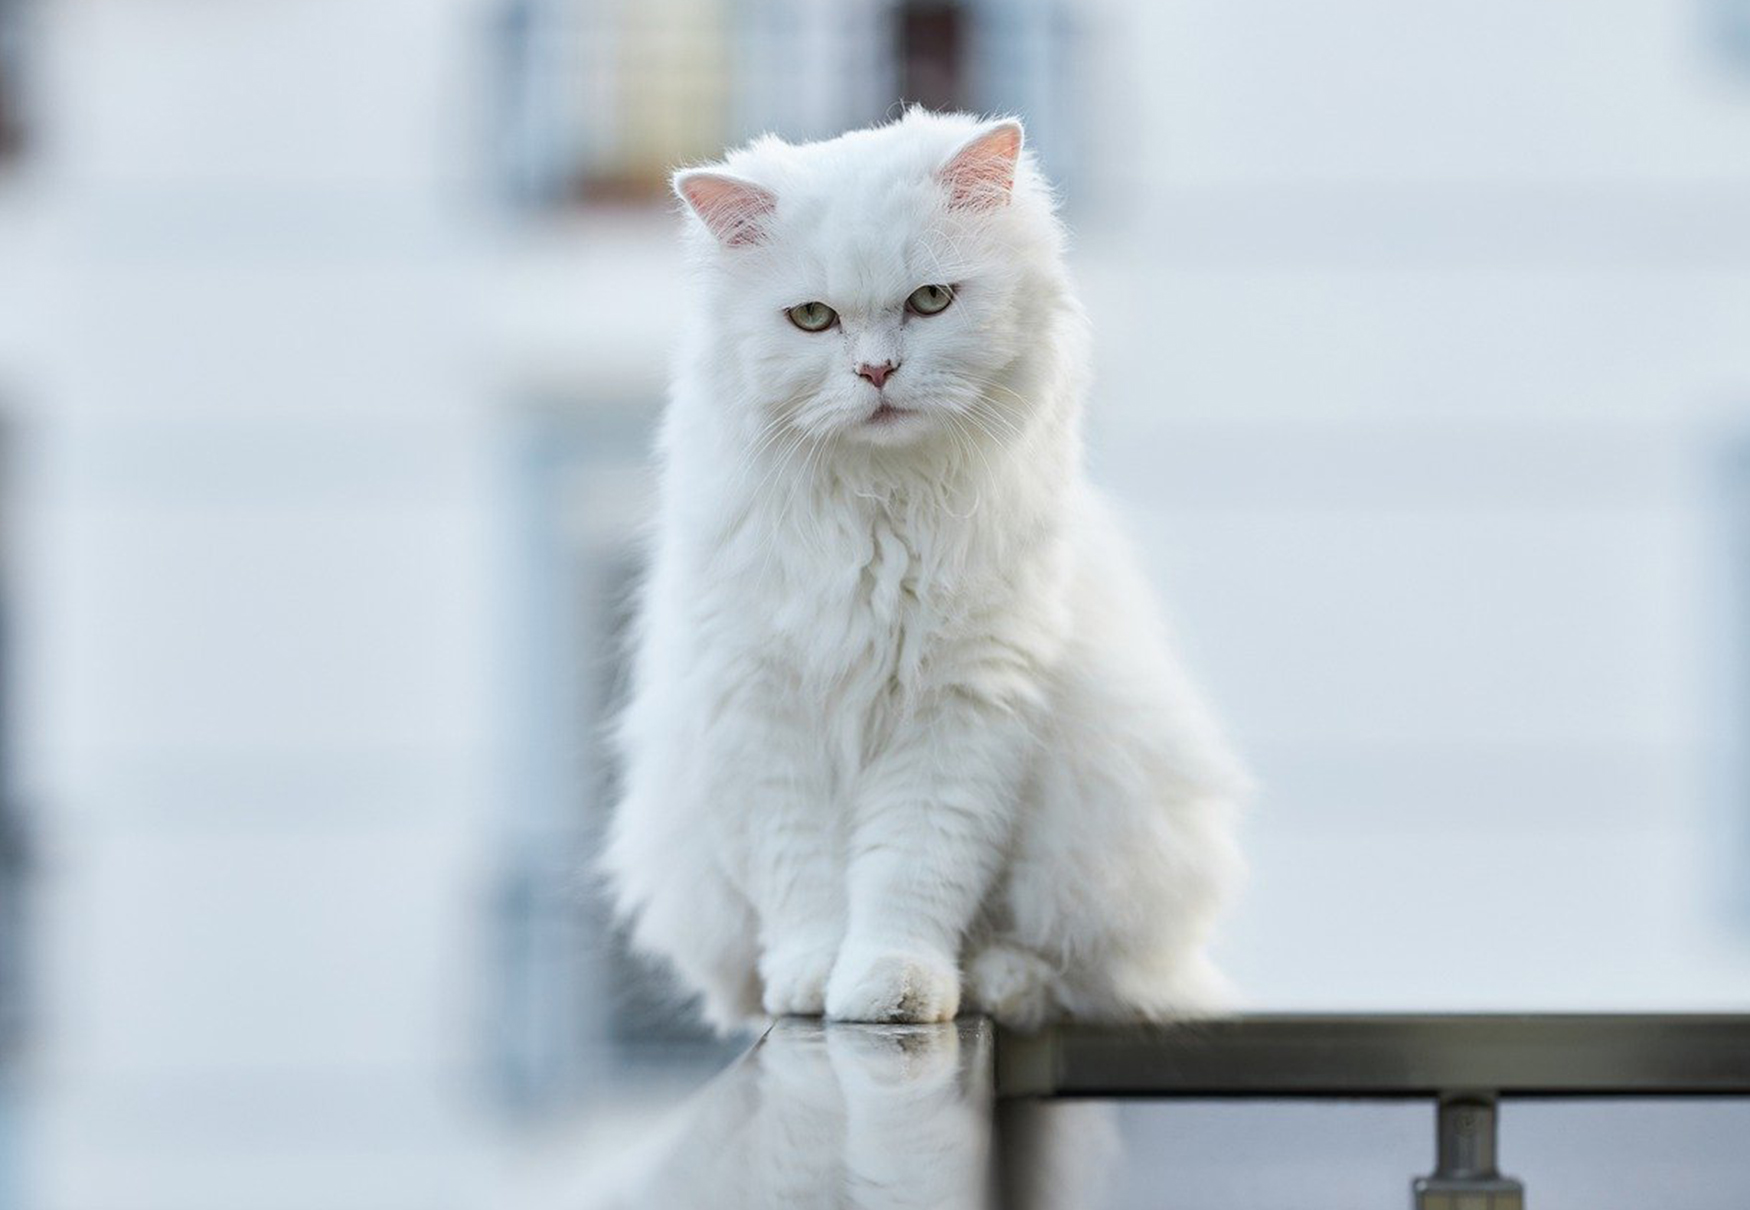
[826, 1115]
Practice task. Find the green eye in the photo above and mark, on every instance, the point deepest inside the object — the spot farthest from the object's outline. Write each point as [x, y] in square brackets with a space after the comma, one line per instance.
[812, 316]
[929, 300]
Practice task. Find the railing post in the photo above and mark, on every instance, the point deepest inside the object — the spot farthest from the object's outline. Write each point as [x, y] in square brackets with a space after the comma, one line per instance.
[1465, 1173]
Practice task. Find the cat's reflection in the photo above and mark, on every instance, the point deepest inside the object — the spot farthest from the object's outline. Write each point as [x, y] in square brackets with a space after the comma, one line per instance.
[865, 1117]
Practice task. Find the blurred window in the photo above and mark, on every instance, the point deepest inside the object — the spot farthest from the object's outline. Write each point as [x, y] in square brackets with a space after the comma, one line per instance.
[13, 954]
[930, 47]
[14, 869]
[598, 100]
[1731, 22]
[12, 19]
[1732, 731]
[575, 1007]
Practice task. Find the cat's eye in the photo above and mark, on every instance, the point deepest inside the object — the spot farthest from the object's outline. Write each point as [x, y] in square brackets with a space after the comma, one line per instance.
[812, 316]
[929, 300]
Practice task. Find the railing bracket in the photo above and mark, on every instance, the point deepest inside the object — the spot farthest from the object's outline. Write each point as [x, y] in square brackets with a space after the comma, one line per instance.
[1465, 1176]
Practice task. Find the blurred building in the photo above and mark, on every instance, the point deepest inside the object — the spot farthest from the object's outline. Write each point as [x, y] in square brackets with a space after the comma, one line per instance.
[331, 334]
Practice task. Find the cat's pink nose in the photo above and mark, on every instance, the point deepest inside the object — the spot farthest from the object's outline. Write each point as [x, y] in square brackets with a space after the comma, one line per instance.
[877, 374]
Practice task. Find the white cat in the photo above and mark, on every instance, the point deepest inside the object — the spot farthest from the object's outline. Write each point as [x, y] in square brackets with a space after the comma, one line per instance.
[904, 732]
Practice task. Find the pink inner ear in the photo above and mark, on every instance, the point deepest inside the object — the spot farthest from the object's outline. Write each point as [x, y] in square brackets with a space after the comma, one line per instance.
[730, 207]
[982, 173]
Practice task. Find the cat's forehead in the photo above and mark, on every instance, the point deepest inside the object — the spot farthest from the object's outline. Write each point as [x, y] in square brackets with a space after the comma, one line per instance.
[867, 235]
[867, 248]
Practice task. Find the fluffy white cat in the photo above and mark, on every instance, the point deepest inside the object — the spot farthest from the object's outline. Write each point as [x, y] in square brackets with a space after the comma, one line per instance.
[905, 734]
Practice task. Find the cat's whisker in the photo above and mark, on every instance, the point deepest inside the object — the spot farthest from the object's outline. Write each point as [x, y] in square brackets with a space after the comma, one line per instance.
[1004, 427]
[768, 545]
[972, 444]
[996, 383]
[768, 438]
[782, 450]
[984, 405]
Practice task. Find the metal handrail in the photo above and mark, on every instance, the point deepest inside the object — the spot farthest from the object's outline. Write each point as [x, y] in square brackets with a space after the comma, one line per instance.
[1465, 1063]
[1295, 1055]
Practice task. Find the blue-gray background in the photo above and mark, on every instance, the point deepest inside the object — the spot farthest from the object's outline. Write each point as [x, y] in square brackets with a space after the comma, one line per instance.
[331, 333]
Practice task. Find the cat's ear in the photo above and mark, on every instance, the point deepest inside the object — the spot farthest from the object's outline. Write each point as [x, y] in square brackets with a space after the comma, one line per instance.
[732, 208]
[981, 174]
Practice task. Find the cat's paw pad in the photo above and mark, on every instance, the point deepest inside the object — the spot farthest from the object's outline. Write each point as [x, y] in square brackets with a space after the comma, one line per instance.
[795, 981]
[1012, 985]
[893, 986]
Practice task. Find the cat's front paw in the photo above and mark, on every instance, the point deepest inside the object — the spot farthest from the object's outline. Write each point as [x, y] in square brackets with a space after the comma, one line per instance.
[892, 985]
[1013, 985]
[795, 979]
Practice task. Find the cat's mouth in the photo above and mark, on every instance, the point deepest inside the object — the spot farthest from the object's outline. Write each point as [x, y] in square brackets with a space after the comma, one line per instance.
[886, 413]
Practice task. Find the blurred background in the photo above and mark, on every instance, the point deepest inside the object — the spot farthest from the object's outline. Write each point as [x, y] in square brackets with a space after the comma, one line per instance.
[332, 333]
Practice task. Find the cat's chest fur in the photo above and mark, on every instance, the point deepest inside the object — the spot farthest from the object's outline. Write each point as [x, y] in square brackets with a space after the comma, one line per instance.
[858, 595]
[872, 587]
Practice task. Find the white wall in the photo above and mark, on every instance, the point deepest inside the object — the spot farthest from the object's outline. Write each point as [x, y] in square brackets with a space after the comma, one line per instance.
[257, 699]
[1424, 398]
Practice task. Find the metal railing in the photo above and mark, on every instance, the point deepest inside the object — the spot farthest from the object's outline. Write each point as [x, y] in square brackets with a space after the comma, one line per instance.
[1464, 1064]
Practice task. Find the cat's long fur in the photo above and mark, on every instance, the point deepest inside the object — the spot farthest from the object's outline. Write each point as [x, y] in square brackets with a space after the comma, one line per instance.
[904, 733]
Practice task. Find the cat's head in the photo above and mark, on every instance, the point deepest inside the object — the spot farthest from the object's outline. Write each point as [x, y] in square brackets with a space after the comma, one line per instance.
[879, 287]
